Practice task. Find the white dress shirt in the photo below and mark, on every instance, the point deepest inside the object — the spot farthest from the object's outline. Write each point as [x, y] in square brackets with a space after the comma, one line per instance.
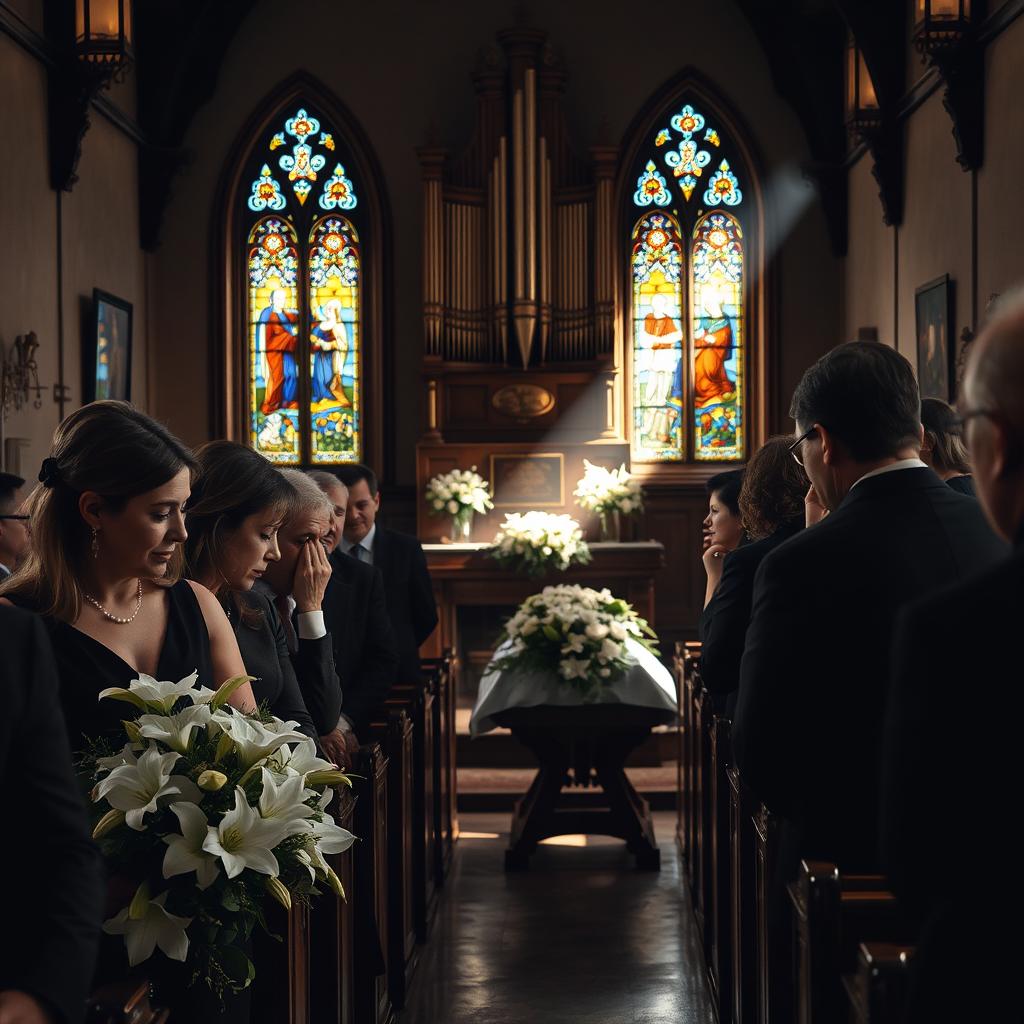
[309, 625]
[891, 468]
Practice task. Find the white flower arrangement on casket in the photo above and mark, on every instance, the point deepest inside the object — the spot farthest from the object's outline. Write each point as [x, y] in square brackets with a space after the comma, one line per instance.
[608, 490]
[577, 632]
[209, 812]
[458, 493]
[538, 542]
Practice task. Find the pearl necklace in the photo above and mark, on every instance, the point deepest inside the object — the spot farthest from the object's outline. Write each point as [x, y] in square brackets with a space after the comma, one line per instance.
[115, 618]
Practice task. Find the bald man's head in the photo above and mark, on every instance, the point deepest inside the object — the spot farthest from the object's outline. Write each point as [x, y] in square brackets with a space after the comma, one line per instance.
[993, 406]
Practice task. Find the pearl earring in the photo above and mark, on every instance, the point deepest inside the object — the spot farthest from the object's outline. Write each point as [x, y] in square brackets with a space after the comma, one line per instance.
[95, 542]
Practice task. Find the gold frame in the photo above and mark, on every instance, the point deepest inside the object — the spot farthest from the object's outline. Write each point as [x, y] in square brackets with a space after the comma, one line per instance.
[560, 456]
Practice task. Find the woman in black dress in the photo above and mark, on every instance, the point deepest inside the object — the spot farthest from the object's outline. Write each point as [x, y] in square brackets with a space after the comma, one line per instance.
[944, 449]
[104, 571]
[771, 504]
[238, 503]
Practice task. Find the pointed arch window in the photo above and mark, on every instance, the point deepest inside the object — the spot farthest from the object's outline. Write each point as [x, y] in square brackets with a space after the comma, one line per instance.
[688, 357]
[302, 235]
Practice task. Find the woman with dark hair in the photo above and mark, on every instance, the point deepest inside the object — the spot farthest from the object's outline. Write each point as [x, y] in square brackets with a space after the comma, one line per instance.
[239, 500]
[723, 528]
[944, 449]
[107, 523]
[771, 505]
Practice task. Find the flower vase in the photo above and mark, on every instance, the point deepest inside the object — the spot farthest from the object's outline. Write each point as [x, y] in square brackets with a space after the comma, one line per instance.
[462, 526]
[611, 525]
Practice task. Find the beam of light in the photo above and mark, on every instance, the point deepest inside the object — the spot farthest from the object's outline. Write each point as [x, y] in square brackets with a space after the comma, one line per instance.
[572, 840]
[479, 835]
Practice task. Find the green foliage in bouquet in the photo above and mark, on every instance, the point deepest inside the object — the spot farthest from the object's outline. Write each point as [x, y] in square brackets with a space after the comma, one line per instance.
[209, 813]
[577, 632]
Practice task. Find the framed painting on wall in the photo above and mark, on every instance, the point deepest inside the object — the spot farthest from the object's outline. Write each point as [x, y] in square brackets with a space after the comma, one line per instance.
[528, 481]
[933, 311]
[108, 349]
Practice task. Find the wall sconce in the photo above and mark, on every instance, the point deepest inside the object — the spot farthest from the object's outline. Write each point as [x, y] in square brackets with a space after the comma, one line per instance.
[94, 44]
[940, 26]
[944, 36]
[103, 35]
[19, 374]
[868, 124]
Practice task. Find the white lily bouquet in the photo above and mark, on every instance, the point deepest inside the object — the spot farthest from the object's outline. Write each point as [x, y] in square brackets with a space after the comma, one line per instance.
[538, 542]
[609, 493]
[208, 812]
[579, 633]
[459, 494]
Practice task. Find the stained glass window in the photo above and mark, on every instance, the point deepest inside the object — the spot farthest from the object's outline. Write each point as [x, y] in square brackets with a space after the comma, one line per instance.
[658, 319]
[717, 287]
[304, 298]
[688, 342]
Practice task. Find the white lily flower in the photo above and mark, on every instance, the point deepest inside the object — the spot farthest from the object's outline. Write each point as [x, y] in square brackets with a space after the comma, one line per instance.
[175, 730]
[610, 649]
[254, 740]
[597, 630]
[244, 840]
[137, 789]
[185, 853]
[125, 756]
[283, 801]
[153, 693]
[155, 928]
[301, 759]
[574, 668]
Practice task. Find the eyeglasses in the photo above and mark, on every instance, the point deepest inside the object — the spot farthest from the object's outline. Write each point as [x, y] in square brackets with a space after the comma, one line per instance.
[14, 516]
[970, 414]
[793, 449]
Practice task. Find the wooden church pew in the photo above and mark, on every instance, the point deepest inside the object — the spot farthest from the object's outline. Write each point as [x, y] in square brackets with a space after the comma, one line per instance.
[332, 933]
[877, 990]
[719, 949]
[370, 884]
[774, 953]
[395, 735]
[832, 914]
[419, 702]
[742, 900]
[444, 670]
[280, 991]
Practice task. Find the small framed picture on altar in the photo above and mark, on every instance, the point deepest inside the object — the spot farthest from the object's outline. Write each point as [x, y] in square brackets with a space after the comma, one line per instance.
[534, 480]
[933, 310]
[107, 353]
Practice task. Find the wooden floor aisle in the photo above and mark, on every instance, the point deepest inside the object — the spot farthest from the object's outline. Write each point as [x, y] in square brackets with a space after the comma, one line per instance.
[583, 938]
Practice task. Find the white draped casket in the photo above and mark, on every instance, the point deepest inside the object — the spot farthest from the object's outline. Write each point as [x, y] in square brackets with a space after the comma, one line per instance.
[646, 683]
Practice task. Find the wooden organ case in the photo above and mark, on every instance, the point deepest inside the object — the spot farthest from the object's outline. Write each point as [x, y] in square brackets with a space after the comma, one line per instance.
[519, 286]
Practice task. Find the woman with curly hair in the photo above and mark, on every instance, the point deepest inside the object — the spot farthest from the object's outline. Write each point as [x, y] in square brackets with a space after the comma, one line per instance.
[771, 504]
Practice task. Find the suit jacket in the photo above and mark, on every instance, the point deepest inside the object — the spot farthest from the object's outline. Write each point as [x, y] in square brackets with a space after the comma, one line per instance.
[815, 669]
[313, 663]
[410, 595]
[54, 896]
[355, 611]
[723, 625]
[265, 654]
[951, 772]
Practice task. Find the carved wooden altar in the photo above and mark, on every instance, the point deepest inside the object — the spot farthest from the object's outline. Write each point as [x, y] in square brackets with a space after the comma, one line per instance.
[463, 574]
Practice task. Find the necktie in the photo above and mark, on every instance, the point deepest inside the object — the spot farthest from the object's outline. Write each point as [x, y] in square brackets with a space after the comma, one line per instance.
[281, 602]
[356, 551]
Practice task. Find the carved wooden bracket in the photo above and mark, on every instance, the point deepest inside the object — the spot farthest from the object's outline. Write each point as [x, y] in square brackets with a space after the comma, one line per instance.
[884, 141]
[964, 100]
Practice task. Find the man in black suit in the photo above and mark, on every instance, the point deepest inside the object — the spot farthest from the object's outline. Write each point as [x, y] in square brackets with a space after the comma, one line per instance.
[297, 583]
[54, 893]
[356, 608]
[951, 768]
[814, 675]
[400, 559]
[15, 539]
